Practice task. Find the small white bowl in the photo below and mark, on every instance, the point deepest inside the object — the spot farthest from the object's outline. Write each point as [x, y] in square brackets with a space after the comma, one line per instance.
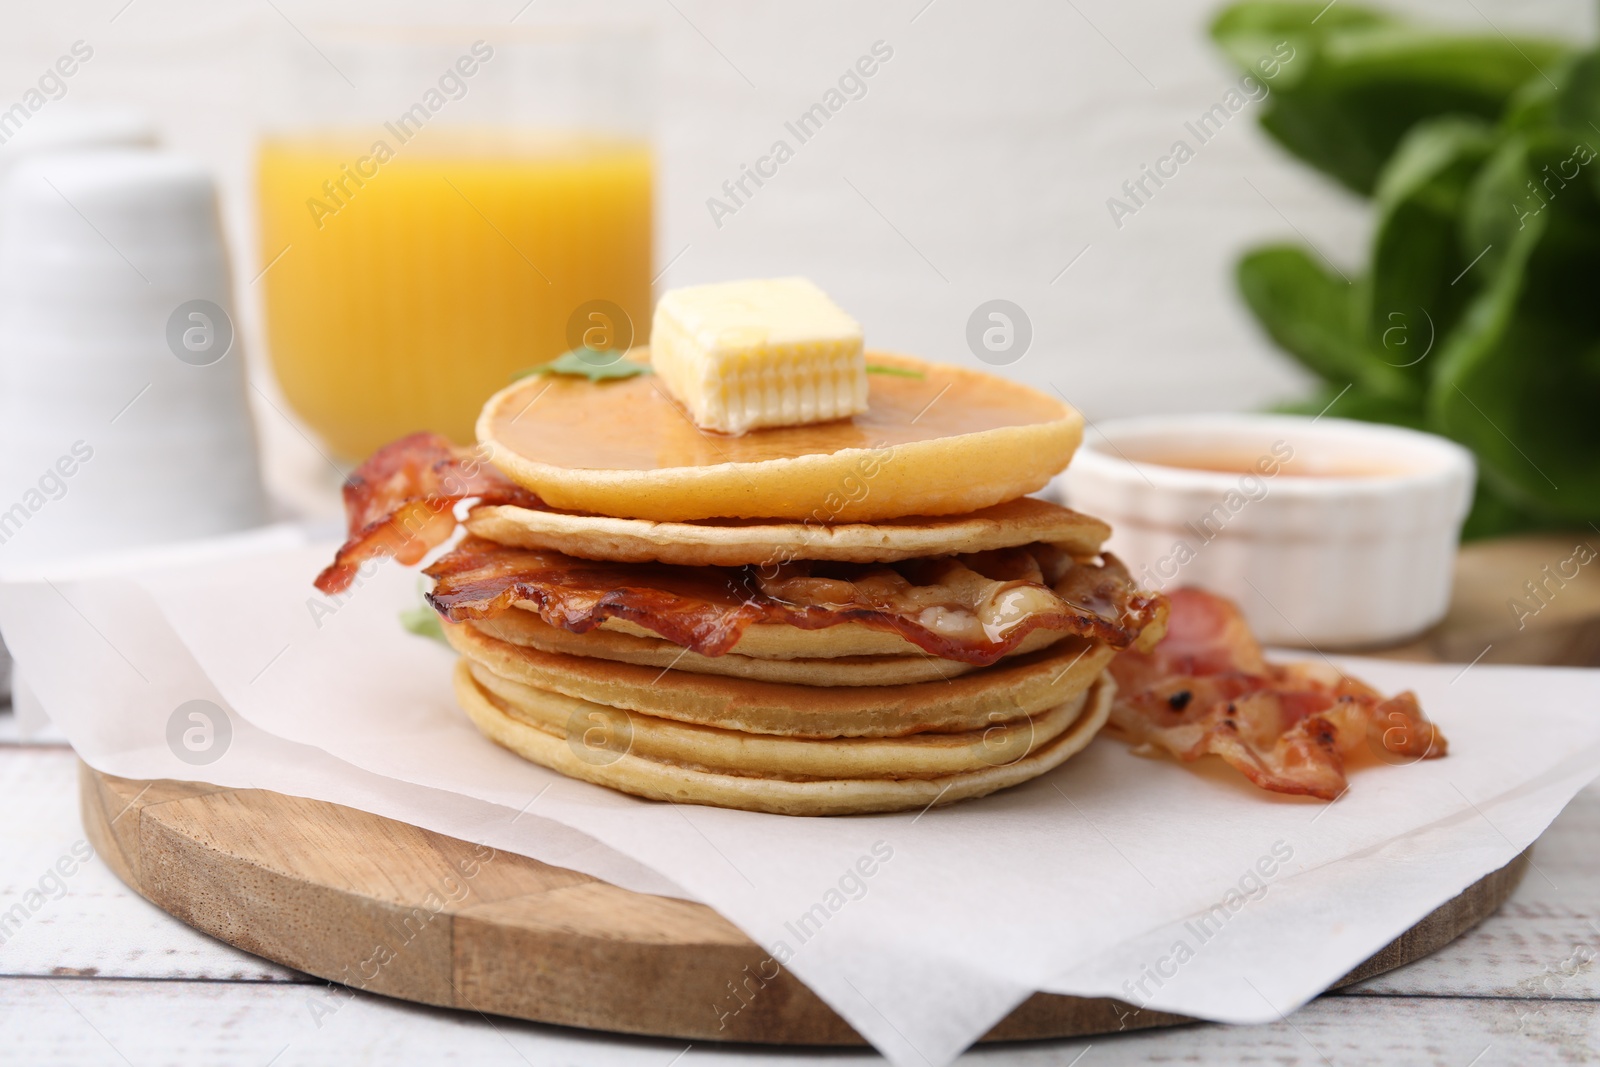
[1327, 532]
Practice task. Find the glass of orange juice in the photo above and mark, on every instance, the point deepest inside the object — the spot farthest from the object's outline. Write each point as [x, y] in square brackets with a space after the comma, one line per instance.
[444, 208]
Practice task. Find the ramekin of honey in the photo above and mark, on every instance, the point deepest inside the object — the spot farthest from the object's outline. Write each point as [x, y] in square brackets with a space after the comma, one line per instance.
[1329, 533]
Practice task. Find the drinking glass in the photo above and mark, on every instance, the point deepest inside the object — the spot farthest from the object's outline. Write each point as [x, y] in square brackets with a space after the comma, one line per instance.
[440, 209]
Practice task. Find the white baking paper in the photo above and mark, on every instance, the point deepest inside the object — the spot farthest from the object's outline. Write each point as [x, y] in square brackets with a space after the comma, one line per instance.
[113, 684]
[921, 929]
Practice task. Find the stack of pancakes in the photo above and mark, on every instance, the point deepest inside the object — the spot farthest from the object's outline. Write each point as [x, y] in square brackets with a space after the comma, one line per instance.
[861, 616]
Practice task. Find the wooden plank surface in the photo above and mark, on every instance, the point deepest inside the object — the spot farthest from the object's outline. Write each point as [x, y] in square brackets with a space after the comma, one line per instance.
[115, 1021]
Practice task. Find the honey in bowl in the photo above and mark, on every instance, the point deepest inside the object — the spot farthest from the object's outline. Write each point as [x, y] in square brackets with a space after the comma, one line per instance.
[1280, 460]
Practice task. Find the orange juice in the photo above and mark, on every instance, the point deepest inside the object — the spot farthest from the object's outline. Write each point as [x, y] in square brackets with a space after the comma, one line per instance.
[413, 280]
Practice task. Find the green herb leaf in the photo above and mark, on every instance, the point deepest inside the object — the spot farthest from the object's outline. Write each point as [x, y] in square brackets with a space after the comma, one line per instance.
[423, 621]
[895, 372]
[595, 364]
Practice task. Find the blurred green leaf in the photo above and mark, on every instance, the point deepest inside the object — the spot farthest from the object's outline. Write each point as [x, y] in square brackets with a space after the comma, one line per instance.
[1418, 287]
[1254, 35]
[1519, 380]
[1494, 515]
[1316, 316]
[1577, 101]
[1359, 80]
[1533, 106]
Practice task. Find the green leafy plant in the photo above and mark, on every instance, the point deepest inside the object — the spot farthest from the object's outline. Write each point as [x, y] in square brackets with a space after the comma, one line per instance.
[1476, 315]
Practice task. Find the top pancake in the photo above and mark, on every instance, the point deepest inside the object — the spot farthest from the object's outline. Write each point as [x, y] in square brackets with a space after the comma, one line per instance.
[944, 441]
[737, 543]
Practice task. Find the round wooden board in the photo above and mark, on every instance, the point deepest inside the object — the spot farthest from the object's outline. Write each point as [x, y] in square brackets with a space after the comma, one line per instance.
[390, 908]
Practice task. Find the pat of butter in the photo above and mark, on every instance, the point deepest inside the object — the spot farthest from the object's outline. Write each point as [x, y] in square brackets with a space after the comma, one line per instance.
[769, 352]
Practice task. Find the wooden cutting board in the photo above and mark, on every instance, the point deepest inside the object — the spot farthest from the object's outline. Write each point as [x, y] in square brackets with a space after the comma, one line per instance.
[394, 909]
[398, 910]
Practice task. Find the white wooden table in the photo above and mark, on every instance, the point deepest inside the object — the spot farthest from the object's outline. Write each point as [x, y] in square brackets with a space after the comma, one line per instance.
[95, 975]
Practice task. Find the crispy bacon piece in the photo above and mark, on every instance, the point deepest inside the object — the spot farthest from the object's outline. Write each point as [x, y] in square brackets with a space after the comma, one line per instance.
[401, 502]
[1206, 689]
[971, 608]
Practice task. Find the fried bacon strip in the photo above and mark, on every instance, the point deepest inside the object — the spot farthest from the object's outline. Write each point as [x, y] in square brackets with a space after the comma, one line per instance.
[973, 608]
[1206, 689]
[401, 502]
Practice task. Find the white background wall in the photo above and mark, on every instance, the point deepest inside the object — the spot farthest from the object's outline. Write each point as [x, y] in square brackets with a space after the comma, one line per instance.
[991, 142]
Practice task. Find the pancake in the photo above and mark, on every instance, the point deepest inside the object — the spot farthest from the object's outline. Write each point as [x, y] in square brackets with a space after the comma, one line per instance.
[948, 441]
[736, 543]
[677, 783]
[1026, 685]
[525, 628]
[599, 734]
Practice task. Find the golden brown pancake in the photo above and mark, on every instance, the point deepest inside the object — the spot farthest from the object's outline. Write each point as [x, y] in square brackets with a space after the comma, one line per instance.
[946, 442]
[609, 763]
[755, 542]
[606, 731]
[1025, 685]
